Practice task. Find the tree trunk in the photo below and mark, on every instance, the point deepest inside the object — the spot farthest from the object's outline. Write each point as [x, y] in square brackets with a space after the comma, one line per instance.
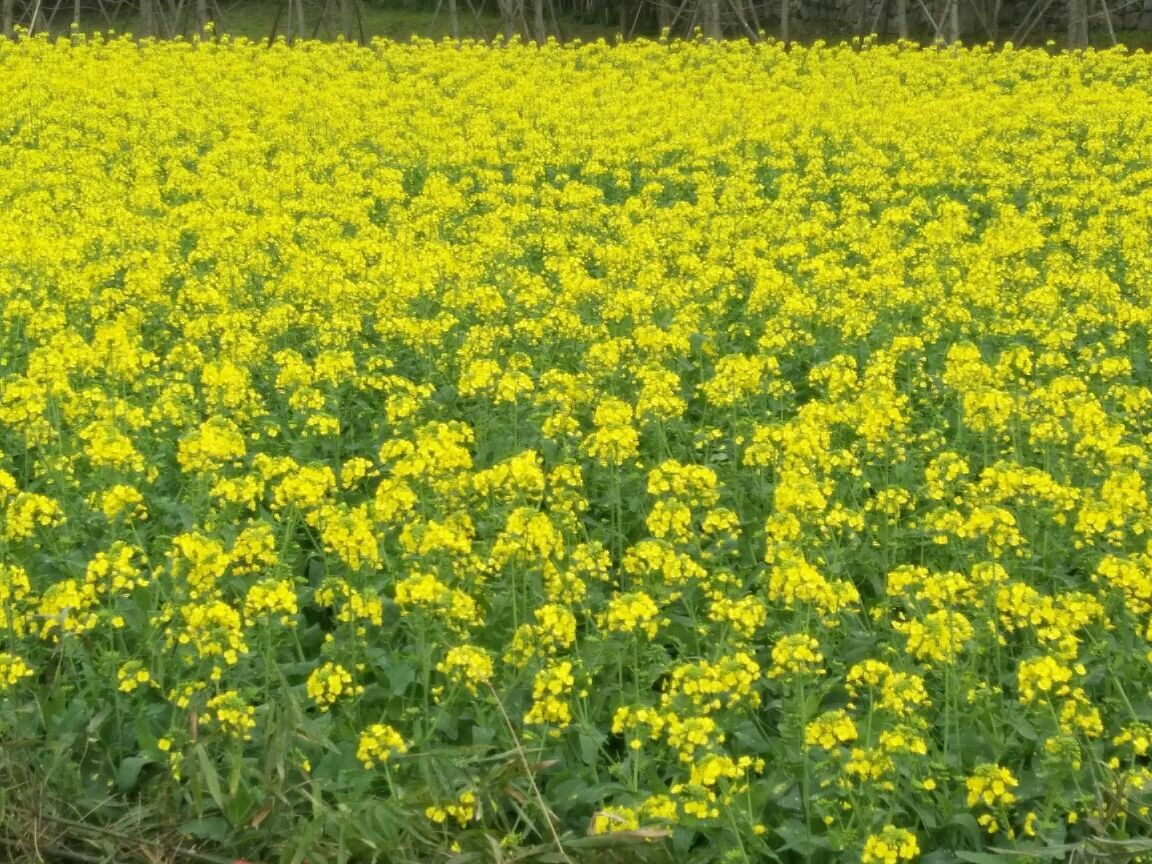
[1108, 21]
[166, 19]
[883, 14]
[902, 18]
[954, 22]
[712, 19]
[939, 18]
[453, 21]
[755, 16]
[7, 16]
[147, 18]
[346, 18]
[785, 22]
[1077, 23]
[538, 21]
[508, 14]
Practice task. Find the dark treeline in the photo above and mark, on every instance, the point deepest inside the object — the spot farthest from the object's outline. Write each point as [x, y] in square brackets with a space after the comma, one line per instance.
[1075, 22]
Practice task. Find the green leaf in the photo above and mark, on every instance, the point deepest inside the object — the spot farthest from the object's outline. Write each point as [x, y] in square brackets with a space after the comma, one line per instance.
[1056, 853]
[1023, 728]
[210, 776]
[798, 838]
[214, 828]
[752, 737]
[983, 858]
[927, 816]
[400, 677]
[240, 805]
[968, 822]
[315, 571]
[937, 856]
[590, 746]
[129, 772]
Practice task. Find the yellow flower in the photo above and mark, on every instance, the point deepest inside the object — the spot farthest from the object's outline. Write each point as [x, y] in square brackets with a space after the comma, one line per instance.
[271, 599]
[1043, 675]
[329, 683]
[613, 819]
[890, 846]
[377, 745]
[132, 675]
[12, 670]
[550, 690]
[216, 442]
[830, 729]
[467, 665]
[232, 714]
[614, 441]
[796, 656]
[630, 613]
[991, 786]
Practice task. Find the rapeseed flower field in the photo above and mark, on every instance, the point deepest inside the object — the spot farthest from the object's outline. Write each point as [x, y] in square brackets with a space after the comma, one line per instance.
[671, 451]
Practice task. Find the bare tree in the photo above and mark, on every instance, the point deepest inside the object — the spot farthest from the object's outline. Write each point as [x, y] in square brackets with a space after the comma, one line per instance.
[1077, 23]
[346, 18]
[880, 19]
[293, 11]
[538, 20]
[147, 18]
[513, 16]
[712, 27]
[1108, 21]
[453, 21]
[745, 24]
